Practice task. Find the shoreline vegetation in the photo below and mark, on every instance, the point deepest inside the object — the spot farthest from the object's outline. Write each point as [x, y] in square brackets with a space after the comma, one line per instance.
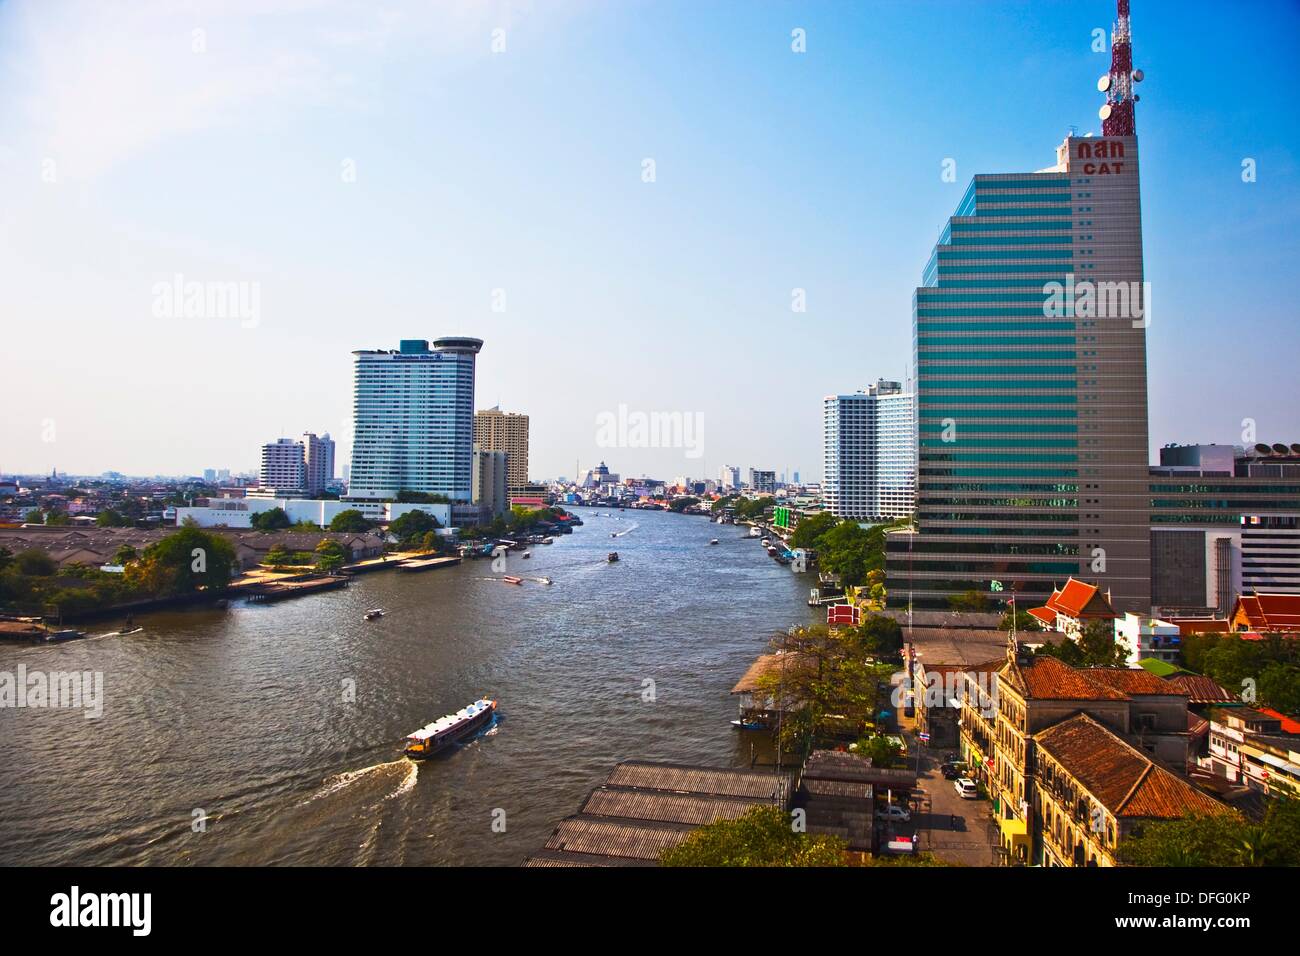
[193, 565]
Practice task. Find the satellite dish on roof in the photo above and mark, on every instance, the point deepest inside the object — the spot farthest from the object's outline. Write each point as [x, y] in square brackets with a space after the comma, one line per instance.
[1262, 449]
[1279, 448]
[1103, 84]
[1137, 76]
[1104, 112]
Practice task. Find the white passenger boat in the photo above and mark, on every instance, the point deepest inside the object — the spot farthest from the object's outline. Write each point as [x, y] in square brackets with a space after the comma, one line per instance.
[445, 731]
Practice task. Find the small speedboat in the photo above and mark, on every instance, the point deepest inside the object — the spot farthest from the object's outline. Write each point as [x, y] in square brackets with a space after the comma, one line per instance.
[511, 579]
[613, 556]
[527, 554]
[713, 541]
[445, 731]
[374, 613]
[545, 581]
[748, 725]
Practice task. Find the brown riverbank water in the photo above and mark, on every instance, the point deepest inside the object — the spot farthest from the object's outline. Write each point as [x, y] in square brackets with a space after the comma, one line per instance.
[228, 737]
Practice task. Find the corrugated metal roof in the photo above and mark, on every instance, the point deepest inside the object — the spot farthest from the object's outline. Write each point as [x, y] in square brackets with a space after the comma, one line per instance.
[617, 838]
[680, 778]
[689, 809]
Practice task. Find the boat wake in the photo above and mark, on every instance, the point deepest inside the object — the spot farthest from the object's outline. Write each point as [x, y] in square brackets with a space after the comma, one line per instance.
[341, 781]
[619, 534]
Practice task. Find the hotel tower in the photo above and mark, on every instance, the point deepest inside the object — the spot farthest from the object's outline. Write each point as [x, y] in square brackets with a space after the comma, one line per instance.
[1029, 344]
[413, 410]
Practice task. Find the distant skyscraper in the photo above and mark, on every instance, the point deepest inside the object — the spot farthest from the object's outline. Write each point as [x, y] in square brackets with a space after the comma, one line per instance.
[763, 482]
[413, 410]
[282, 466]
[495, 430]
[729, 476]
[870, 463]
[319, 461]
[1030, 351]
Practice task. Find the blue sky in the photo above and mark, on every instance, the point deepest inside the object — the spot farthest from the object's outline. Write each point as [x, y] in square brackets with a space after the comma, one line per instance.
[129, 156]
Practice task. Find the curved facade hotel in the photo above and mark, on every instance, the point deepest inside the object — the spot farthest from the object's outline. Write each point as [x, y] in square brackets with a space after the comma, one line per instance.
[413, 410]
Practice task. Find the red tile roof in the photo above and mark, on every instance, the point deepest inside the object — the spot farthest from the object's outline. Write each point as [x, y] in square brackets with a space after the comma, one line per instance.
[1269, 612]
[1081, 599]
[1289, 726]
[1044, 614]
[1132, 681]
[1046, 678]
[1127, 782]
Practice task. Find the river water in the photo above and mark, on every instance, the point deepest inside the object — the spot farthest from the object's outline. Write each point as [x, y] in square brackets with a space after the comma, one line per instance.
[271, 734]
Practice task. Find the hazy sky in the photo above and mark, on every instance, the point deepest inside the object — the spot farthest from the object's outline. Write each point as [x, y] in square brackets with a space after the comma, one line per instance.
[374, 171]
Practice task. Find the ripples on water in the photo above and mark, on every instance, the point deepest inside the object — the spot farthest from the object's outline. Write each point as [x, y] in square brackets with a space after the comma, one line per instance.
[241, 713]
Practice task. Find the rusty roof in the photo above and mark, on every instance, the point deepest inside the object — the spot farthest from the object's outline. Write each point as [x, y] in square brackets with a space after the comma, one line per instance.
[662, 807]
[1200, 689]
[1046, 678]
[1126, 781]
[682, 778]
[1134, 680]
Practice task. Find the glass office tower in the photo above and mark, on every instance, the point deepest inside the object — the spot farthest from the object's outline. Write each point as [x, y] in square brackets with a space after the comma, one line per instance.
[413, 410]
[1029, 346]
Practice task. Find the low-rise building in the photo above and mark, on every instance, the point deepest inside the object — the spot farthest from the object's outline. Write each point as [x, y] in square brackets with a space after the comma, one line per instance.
[1143, 638]
[1266, 613]
[1256, 747]
[1092, 789]
[1073, 606]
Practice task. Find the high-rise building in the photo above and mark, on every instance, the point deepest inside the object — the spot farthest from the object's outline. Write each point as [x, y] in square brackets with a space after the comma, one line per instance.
[870, 454]
[1030, 354]
[318, 461]
[491, 469]
[413, 410]
[283, 467]
[495, 430]
[729, 477]
[763, 482]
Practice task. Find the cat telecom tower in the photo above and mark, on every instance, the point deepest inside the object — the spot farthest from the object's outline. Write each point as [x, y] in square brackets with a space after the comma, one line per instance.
[1117, 112]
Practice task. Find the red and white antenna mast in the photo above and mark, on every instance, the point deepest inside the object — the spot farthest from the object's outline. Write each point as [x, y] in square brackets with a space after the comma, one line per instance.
[1117, 113]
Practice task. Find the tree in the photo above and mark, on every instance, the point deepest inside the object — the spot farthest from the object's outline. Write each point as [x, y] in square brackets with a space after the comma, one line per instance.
[421, 498]
[412, 524]
[1223, 839]
[6, 558]
[1279, 686]
[681, 504]
[110, 518]
[35, 516]
[844, 550]
[35, 563]
[350, 520]
[880, 636]
[330, 555]
[883, 752]
[1024, 621]
[808, 533]
[970, 601]
[125, 555]
[1096, 647]
[182, 563]
[762, 837]
[273, 520]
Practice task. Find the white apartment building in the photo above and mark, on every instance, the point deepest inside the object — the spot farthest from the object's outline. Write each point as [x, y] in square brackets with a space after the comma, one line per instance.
[318, 462]
[870, 452]
[283, 466]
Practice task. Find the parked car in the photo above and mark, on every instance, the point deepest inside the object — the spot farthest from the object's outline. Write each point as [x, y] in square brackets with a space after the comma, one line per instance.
[966, 789]
[893, 814]
[951, 757]
[951, 771]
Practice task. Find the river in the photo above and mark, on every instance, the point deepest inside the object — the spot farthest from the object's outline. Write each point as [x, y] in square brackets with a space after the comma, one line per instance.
[271, 734]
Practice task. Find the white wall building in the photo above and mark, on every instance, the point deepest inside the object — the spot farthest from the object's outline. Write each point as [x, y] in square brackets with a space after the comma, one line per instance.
[238, 512]
[318, 462]
[870, 452]
[283, 466]
[1147, 638]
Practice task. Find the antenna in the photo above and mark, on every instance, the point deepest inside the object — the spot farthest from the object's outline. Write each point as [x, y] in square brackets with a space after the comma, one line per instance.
[1117, 112]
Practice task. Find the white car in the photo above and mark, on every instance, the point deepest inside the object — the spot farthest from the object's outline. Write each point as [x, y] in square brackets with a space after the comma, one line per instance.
[966, 789]
[893, 814]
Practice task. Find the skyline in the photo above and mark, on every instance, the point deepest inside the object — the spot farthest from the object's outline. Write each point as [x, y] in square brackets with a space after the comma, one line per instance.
[669, 296]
